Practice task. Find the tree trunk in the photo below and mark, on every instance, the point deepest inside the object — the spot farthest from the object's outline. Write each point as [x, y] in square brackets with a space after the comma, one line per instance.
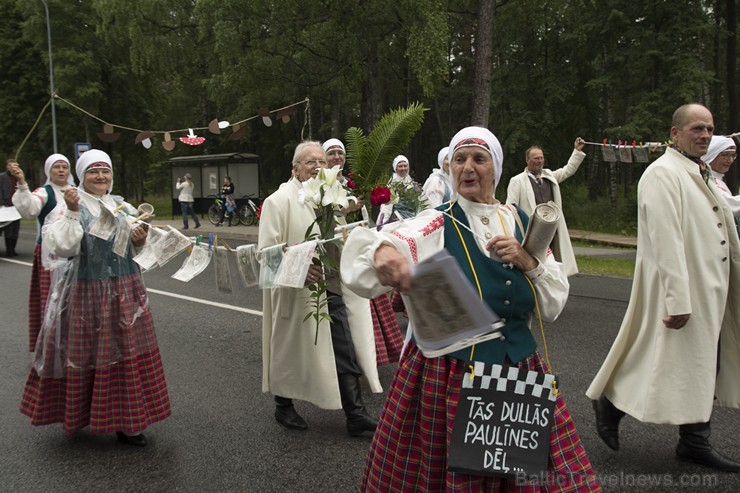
[483, 51]
[372, 106]
[732, 104]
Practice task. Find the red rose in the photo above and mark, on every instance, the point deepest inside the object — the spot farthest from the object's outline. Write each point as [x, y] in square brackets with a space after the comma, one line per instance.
[380, 195]
[351, 185]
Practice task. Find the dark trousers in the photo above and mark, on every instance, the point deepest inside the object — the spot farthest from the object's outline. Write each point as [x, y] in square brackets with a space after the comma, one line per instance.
[341, 338]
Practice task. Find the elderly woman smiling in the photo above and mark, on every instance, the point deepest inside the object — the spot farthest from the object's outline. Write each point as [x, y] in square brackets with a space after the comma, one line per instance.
[422, 401]
[97, 362]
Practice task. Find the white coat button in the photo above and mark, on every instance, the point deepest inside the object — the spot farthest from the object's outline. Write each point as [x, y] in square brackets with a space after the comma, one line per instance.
[488, 235]
[484, 219]
[508, 282]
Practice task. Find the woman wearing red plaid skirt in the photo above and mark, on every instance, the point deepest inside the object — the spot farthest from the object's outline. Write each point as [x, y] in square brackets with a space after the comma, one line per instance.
[410, 447]
[97, 361]
[39, 205]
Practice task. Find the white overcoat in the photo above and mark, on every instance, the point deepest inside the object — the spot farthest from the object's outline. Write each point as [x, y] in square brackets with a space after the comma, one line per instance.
[520, 193]
[688, 262]
[292, 366]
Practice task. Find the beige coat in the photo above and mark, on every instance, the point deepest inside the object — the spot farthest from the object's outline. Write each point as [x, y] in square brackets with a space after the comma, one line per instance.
[292, 366]
[520, 193]
[688, 262]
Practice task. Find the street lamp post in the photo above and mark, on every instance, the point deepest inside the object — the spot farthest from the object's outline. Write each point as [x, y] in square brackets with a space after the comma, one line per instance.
[51, 79]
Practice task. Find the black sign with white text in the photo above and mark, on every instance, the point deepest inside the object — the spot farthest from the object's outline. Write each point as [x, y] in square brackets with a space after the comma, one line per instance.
[503, 422]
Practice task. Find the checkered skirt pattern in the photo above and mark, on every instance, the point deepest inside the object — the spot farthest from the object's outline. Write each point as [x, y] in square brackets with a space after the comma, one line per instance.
[409, 449]
[112, 373]
[38, 292]
[388, 337]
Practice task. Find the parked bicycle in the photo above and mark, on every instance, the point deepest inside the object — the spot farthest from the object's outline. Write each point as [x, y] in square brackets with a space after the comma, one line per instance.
[214, 212]
[248, 212]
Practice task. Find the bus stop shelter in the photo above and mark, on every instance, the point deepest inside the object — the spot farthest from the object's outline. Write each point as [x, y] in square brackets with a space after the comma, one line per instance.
[208, 172]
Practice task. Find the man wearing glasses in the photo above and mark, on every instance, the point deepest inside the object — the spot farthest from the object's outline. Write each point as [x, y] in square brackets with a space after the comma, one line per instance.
[324, 371]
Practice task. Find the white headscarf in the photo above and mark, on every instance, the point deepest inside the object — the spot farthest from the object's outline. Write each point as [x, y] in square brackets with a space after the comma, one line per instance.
[478, 137]
[441, 155]
[87, 159]
[400, 159]
[332, 144]
[717, 145]
[50, 162]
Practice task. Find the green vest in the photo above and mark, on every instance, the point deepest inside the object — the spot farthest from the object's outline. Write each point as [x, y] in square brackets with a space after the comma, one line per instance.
[505, 290]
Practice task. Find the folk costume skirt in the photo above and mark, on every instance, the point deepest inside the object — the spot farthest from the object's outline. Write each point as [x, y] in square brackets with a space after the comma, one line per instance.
[126, 393]
[409, 449]
[38, 292]
[388, 337]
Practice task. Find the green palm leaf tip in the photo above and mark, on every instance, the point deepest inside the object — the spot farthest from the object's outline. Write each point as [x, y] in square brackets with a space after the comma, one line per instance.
[369, 157]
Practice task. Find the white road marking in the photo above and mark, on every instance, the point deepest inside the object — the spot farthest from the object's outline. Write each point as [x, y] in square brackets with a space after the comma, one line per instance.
[172, 295]
[205, 302]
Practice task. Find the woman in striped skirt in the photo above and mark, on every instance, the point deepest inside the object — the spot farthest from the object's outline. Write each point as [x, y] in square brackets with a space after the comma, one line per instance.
[97, 361]
[39, 204]
[410, 448]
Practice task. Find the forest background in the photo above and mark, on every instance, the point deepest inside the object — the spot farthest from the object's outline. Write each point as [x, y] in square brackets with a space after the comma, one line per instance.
[534, 72]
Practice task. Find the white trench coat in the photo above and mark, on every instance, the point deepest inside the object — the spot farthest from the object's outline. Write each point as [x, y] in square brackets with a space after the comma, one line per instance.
[688, 262]
[292, 366]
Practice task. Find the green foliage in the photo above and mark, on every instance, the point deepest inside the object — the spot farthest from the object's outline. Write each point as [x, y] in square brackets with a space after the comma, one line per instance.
[369, 157]
[600, 216]
[600, 266]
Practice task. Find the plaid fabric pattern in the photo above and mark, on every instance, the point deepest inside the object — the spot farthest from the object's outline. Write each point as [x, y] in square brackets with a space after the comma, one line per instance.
[128, 396]
[409, 449]
[38, 292]
[112, 372]
[397, 303]
[388, 337]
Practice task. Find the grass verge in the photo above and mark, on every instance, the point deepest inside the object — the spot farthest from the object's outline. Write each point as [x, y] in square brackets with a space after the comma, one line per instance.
[608, 267]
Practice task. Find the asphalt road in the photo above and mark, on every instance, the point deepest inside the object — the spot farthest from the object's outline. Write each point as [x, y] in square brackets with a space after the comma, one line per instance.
[222, 435]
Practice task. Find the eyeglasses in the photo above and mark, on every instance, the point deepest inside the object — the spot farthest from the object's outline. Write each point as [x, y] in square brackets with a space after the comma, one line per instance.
[314, 162]
[731, 155]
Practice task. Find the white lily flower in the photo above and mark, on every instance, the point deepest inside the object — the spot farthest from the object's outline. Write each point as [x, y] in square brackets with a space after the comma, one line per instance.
[312, 192]
[394, 197]
[335, 195]
[329, 175]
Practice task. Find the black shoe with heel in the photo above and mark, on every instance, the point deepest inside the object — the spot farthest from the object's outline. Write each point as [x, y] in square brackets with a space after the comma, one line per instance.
[135, 440]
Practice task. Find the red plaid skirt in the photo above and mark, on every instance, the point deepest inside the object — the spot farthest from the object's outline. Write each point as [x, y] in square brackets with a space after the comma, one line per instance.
[39, 291]
[112, 373]
[409, 449]
[388, 337]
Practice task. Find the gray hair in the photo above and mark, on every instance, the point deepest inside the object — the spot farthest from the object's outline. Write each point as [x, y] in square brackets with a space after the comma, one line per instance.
[301, 149]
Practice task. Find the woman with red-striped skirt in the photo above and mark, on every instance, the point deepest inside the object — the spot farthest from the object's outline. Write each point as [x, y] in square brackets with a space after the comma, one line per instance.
[411, 446]
[39, 205]
[97, 362]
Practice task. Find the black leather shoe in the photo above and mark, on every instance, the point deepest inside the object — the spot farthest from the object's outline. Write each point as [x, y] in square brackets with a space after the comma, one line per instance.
[706, 457]
[359, 425]
[136, 440]
[197, 226]
[607, 422]
[289, 418]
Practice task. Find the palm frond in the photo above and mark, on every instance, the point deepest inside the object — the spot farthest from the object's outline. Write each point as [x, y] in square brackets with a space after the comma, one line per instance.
[370, 156]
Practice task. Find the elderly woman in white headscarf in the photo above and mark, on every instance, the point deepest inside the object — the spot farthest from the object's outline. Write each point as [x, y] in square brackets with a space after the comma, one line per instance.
[97, 361]
[39, 204]
[410, 194]
[721, 153]
[484, 236]
[437, 188]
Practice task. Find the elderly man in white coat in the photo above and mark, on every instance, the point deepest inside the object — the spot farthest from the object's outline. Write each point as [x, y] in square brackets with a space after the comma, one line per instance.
[678, 350]
[537, 184]
[324, 371]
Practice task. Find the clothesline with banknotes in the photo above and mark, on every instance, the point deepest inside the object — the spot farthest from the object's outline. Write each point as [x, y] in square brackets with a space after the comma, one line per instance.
[280, 265]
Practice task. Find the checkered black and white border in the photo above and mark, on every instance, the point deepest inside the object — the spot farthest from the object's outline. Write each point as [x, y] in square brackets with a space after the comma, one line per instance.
[510, 379]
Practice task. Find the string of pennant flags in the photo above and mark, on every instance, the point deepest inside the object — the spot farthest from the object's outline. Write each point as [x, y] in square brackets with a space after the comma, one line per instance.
[628, 152]
[144, 137]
